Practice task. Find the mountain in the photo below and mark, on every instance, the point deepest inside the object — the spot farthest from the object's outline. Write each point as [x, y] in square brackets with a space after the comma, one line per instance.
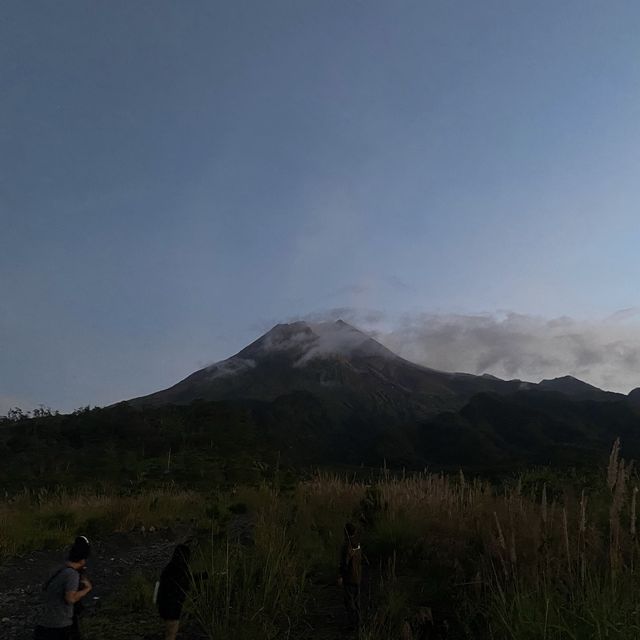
[531, 427]
[326, 394]
[574, 387]
[335, 362]
[329, 393]
[634, 397]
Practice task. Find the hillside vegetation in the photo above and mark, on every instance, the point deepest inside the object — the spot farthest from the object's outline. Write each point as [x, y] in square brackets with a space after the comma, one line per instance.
[222, 443]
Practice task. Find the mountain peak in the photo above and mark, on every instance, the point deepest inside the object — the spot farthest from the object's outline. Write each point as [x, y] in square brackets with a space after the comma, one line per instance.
[332, 360]
[304, 341]
[567, 384]
[634, 396]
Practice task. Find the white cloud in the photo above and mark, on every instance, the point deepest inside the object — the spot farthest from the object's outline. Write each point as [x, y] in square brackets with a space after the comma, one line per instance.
[309, 340]
[605, 352]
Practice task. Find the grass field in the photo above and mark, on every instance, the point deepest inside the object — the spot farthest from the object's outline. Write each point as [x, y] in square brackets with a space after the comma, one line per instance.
[536, 558]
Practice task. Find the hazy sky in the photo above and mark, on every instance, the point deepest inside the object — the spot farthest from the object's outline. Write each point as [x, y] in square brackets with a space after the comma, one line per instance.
[177, 176]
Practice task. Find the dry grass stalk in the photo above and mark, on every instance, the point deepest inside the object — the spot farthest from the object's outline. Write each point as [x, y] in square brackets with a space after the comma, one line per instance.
[565, 528]
[612, 468]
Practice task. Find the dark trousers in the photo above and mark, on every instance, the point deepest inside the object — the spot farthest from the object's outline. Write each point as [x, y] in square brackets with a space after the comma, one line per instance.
[352, 603]
[71, 632]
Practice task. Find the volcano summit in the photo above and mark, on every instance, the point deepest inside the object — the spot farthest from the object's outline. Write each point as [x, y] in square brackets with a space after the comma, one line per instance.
[327, 359]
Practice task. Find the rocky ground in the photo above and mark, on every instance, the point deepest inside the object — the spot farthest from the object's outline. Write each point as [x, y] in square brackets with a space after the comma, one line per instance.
[114, 560]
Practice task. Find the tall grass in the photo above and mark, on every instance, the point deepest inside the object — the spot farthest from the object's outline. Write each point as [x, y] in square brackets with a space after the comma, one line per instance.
[252, 590]
[49, 519]
[511, 563]
[543, 560]
[569, 568]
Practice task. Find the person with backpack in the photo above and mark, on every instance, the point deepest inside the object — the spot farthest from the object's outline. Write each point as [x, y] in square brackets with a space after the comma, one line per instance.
[63, 592]
[350, 573]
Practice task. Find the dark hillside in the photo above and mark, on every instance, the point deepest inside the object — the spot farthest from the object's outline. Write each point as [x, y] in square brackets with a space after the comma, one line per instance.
[223, 442]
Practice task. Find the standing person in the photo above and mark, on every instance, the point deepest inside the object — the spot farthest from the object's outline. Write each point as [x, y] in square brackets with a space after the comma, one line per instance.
[350, 575]
[175, 581]
[63, 590]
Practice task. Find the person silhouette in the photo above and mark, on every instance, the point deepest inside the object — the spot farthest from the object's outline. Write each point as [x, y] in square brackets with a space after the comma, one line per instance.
[175, 582]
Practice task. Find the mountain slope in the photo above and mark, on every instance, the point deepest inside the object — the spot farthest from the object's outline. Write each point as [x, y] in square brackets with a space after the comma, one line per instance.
[571, 386]
[333, 361]
[328, 393]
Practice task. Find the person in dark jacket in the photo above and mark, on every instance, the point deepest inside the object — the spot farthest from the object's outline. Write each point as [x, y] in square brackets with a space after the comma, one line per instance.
[175, 582]
[63, 591]
[350, 575]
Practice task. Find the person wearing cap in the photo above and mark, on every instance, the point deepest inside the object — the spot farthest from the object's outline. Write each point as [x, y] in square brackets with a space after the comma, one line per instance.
[62, 591]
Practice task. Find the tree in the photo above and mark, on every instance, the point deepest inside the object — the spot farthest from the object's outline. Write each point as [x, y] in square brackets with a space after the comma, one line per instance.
[16, 414]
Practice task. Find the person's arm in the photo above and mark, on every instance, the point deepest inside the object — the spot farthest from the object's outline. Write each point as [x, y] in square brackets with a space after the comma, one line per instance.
[71, 597]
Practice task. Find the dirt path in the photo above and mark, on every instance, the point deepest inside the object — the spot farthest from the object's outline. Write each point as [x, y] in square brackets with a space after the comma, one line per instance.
[113, 560]
[112, 563]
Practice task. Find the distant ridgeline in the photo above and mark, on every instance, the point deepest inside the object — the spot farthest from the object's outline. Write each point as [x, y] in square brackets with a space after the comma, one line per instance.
[307, 395]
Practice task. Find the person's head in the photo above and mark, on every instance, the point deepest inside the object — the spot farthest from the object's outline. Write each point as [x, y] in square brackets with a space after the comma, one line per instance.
[181, 555]
[79, 552]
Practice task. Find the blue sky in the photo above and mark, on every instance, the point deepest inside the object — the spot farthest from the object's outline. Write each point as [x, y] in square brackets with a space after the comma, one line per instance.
[176, 177]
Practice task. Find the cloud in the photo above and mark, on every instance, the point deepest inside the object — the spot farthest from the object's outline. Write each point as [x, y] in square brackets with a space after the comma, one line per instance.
[229, 367]
[605, 352]
[335, 338]
[358, 317]
[304, 341]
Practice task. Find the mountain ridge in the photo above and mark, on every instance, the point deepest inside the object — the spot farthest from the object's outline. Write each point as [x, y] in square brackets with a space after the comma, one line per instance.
[316, 357]
[319, 356]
